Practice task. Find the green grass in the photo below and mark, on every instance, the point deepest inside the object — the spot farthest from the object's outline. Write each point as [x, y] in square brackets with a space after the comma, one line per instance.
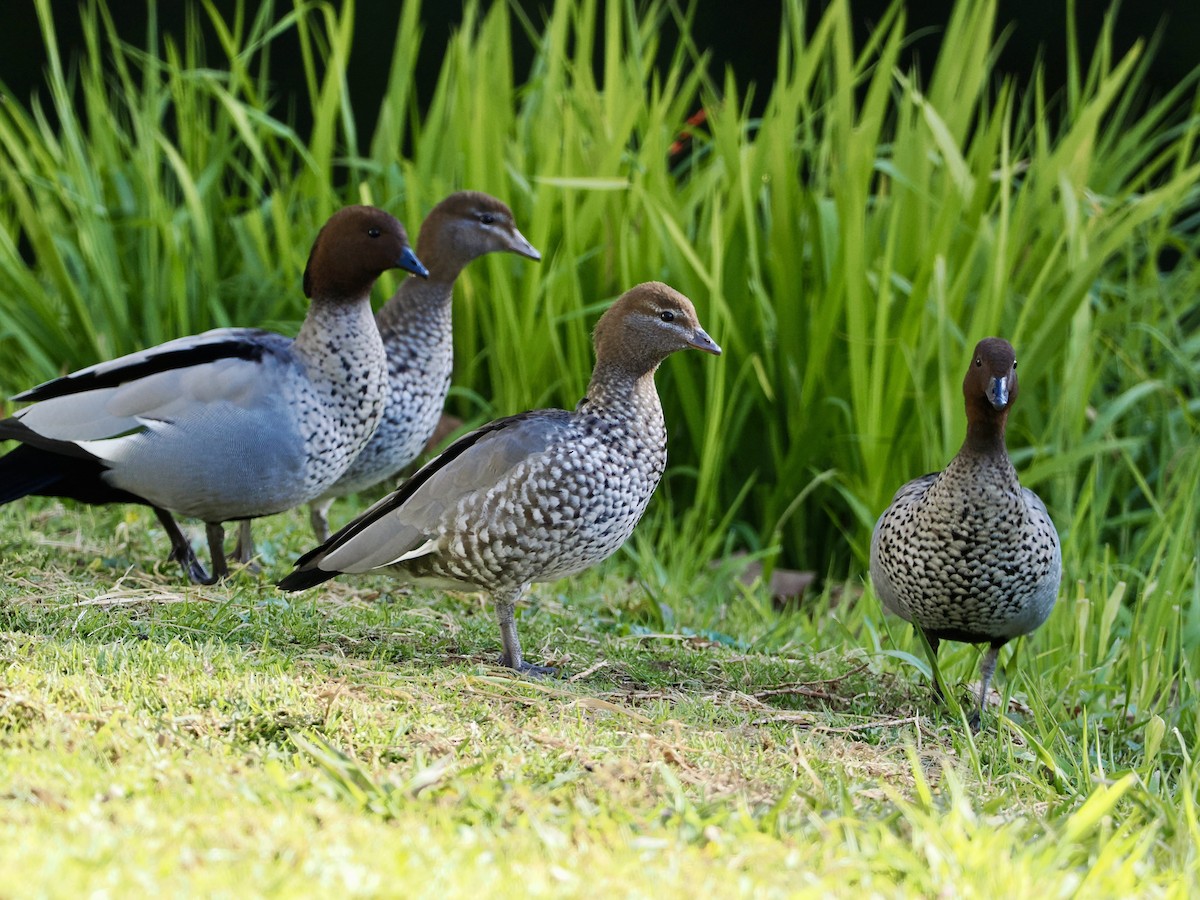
[160, 737]
[847, 247]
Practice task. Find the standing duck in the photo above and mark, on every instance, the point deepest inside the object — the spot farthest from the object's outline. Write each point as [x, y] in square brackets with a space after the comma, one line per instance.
[229, 424]
[967, 554]
[415, 325]
[536, 496]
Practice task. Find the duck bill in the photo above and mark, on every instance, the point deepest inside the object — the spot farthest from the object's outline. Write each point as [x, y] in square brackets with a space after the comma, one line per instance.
[521, 246]
[997, 392]
[701, 341]
[409, 263]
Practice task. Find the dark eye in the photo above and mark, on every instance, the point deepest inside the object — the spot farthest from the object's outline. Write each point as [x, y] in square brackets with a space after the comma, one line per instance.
[374, 232]
[487, 218]
[667, 316]
[978, 361]
[1014, 363]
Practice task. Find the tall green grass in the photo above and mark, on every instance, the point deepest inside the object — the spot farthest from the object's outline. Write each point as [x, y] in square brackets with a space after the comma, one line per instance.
[847, 247]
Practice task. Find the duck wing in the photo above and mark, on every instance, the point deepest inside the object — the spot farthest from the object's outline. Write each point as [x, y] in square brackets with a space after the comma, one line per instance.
[161, 384]
[400, 524]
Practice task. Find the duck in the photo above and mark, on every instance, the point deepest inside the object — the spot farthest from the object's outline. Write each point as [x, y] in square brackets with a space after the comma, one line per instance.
[968, 554]
[415, 324]
[230, 424]
[537, 496]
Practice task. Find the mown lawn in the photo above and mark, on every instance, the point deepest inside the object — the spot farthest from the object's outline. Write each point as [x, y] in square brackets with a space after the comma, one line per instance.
[360, 740]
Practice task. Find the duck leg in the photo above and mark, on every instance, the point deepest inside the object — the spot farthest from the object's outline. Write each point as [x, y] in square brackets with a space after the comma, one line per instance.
[931, 650]
[318, 515]
[511, 655]
[216, 550]
[243, 551]
[181, 549]
[987, 668]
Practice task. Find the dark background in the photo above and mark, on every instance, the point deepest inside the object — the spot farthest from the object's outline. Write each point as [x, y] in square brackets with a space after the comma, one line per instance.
[741, 35]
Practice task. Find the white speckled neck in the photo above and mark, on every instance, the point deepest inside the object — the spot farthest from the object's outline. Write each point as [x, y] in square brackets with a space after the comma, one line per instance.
[619, 395]
[993, 467]
[337, 333]
[410, 309]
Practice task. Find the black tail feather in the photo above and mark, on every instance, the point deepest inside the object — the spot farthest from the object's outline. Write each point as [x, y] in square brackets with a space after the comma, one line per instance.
[34, 471]
[302, 579]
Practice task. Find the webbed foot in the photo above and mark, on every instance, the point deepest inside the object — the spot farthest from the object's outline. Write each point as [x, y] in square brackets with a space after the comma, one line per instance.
[181, 550]
[193, 569]
[531, 669]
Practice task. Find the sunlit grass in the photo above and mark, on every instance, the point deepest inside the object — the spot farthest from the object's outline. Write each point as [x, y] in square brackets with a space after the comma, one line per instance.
[160, 736]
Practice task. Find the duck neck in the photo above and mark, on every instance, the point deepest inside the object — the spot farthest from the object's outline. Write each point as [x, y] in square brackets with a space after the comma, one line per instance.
[418, 308]
[337, 334]
[985, 432]
[420, 300]
[620, 393]
[417, 331]
[984, 450]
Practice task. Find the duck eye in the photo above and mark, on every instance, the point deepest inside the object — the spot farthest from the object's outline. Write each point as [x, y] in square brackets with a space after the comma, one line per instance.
[667, 316]
[374, 232]
[978, 361]
[487, 218]
[1014, 363]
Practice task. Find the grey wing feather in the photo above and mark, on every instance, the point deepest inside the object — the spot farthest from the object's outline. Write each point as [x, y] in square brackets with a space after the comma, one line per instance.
[1037, 508]
[913, 489]
[163, 383]
[406, 519]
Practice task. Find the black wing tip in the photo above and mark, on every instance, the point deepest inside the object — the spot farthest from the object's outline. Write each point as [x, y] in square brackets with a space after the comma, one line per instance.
[303, 579]
[13, 429]
[54, 471]
[23, 472]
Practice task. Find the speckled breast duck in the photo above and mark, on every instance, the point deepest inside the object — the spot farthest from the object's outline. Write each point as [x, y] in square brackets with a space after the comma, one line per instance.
[536, 496]
[968, 554]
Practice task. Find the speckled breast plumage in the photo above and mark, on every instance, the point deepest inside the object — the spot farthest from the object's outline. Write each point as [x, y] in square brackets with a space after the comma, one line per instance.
[967, 554]
[420, 358]
[341, 404]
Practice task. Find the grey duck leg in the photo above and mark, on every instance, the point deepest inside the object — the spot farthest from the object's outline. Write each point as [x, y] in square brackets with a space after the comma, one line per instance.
[935, 673]
[987, 668]
[216, 550]
[243, 551]
[318, 516]
[511, 655]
